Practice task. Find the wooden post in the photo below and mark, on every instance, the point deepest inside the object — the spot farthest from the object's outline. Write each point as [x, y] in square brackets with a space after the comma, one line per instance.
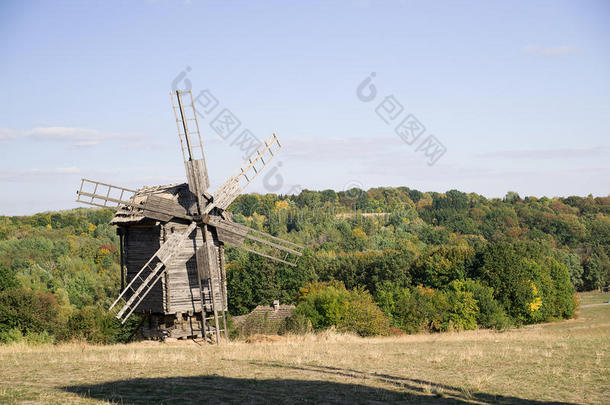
[121, 232]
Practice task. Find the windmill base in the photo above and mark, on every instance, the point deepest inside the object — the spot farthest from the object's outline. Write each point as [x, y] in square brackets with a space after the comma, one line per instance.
[178, 326]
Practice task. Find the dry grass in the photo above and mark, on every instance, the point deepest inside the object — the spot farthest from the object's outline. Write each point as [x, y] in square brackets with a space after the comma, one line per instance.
[566, 362]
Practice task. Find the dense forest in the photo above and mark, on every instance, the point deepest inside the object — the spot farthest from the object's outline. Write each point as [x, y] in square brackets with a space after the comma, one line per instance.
[386, 260]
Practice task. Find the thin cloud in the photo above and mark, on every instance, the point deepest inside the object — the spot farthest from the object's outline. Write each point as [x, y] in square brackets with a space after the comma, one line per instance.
[546, 153]
[12, 175]
[77, 137]
[70, 134]
[342, 148]
[145, 145]
[85, 144]
[7, 134]
[550, 51]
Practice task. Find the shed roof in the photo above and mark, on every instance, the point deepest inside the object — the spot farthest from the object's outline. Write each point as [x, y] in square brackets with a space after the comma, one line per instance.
[278, 313]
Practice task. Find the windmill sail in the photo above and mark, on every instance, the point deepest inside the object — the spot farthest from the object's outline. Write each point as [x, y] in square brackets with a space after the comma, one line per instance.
[109, 196]
[190, 141]
[257, 242]
[245, 174]
[103, 194]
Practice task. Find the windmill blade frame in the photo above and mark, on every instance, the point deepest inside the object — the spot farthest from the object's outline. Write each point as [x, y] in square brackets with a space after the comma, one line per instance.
[261, 243]
[153, 206]
[99, 199]
[243, 176]
[191, 143]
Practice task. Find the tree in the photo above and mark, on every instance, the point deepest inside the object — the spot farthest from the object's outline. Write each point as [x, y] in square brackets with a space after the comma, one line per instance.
[512, 197]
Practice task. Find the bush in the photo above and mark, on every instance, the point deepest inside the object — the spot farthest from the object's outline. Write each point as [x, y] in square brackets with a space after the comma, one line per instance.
[420, 309]
[93, 324]
[530, 285]
[491, 314]
[39, 338]
[28, 312]
[13, 335]
[462, 308]
[298, 324]
[8, 278]
[331, 304]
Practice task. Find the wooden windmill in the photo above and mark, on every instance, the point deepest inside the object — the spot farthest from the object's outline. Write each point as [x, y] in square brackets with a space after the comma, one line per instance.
[172, 238]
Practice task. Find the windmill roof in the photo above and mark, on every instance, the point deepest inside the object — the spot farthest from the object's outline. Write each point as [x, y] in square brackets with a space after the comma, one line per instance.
[179, 191]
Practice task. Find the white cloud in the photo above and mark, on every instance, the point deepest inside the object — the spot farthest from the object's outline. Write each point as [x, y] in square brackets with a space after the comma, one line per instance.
[550, 51]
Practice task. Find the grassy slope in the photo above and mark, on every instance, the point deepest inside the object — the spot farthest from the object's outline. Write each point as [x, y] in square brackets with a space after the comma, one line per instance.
[566, 361]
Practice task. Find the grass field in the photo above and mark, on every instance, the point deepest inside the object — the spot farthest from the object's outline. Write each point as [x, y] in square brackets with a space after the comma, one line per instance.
[593, 297]
[561, 362]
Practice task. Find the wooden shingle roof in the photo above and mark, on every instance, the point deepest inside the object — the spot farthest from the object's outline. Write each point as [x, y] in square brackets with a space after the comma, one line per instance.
[177, 192]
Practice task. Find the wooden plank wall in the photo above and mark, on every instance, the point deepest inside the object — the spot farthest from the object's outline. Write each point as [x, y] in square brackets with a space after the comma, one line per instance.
[183, 285]
[141, 242]
[178, 291]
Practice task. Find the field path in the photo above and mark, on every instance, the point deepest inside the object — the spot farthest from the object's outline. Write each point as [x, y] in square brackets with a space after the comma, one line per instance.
[594, 305]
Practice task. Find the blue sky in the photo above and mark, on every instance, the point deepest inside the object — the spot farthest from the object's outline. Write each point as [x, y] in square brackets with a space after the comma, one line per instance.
[517, 93]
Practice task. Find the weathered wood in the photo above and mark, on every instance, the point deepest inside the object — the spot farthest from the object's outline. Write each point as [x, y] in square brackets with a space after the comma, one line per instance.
[264, 244]
[150, 274]
[140, 244]
[163, 208]
[168, 279]
[255, 163]
[197, 176]
[190, 141]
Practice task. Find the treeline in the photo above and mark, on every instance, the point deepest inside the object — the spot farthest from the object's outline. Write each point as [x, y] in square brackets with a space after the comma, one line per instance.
[399, 258]
[429, 261]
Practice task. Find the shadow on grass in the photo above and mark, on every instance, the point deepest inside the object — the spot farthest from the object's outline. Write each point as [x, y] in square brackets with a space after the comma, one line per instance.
[217, 389]
[426, 390]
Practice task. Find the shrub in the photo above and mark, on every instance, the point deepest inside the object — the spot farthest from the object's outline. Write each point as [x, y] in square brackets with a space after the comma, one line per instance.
[348, 310]
[298, 324]
[94, 325]
[8, 278]
[491, 314]
[39, 338]
[13, 335]
[462, 308]
[421, 309]
[28, 312]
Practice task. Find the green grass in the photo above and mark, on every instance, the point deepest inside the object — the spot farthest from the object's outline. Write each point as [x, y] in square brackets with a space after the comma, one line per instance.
[559, 362]
[593, 297]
